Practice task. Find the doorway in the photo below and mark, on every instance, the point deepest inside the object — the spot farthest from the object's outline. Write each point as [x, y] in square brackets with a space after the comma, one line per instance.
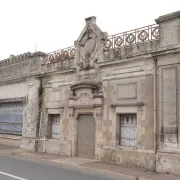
[86, 136]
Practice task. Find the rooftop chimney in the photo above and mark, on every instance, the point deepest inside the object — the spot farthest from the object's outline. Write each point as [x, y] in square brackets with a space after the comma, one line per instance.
[91, 20]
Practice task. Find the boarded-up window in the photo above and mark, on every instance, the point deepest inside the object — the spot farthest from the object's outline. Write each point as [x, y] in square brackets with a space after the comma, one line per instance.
[11, 118]
[127, 130]
[54, 122]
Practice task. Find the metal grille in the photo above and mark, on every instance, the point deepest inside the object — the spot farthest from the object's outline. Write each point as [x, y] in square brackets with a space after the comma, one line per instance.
[140, 35]
[128, 38]
[11, 118]
[128, 130]
[55, 125]
[60, 55]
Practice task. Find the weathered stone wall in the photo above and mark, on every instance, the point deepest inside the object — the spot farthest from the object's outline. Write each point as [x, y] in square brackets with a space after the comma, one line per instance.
[13, 90]
[129, 158]
[15, 86]
[55, 100]
[103, 82]
[168, 94]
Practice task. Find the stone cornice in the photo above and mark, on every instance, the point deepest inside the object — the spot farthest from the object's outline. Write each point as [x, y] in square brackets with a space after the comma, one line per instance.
[11, 81]
[67, 71]
[86, 106]
[20, 99]
[127, 104]
[168, 17]
[144, 55]
[19, 58]
[87, 85]
[32, 67]
[166, 50]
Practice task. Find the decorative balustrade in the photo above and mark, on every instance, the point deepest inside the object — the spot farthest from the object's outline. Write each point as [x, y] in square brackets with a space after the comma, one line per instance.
[140, 35]
[62, 54]
[19, 58]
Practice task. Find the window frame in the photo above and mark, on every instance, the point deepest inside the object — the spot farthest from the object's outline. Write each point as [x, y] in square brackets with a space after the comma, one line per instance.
[119, 128]
[50, 125]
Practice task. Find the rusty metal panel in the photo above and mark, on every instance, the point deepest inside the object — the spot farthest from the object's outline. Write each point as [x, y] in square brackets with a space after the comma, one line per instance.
[86, 137]
[128, 130]
[11, 118]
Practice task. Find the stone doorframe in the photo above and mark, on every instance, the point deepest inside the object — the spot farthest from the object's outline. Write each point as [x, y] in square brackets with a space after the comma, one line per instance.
[59, 111]
[86, 98]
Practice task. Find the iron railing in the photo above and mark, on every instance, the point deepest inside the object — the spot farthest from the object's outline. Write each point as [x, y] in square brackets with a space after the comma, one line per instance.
[62, 54]
[140, 35]
[128, 38]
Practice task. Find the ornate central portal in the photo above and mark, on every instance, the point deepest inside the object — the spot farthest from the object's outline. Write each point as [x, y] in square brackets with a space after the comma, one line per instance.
[85, 111]
[86, 136]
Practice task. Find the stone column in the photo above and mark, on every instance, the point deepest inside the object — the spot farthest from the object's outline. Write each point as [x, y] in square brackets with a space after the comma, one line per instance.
[98, 113]
[31, 115]
[73, 127]
[115, 126]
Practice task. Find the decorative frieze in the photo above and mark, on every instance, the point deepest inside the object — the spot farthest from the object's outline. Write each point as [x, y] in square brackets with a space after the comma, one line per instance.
[83, 100]
[57, 66]
[86, 76]
[108, 72]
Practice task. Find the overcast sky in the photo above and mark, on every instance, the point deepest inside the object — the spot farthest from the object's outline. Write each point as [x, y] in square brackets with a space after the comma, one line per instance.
[56, 24]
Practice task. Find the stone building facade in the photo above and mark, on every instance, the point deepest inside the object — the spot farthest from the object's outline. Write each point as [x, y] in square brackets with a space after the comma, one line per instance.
[110, 98]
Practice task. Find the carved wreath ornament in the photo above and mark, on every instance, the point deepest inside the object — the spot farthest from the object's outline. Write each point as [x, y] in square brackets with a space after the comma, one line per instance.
[88, 48]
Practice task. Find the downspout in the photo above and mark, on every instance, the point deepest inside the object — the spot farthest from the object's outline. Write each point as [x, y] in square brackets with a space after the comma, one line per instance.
[155, 110]
[40, 108]
[40, 121]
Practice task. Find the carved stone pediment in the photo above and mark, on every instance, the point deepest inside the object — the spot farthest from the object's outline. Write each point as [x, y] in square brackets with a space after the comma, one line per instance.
[84, 94]
[89, 46]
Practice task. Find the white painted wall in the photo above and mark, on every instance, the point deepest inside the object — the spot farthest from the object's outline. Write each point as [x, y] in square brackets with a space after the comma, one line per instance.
[15, 90]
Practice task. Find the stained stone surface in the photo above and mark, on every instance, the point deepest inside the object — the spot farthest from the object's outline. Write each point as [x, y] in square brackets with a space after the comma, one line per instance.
[104, 83]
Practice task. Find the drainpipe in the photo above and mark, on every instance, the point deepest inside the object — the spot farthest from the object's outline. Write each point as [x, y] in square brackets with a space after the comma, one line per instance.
[40, 121]
[155, 110]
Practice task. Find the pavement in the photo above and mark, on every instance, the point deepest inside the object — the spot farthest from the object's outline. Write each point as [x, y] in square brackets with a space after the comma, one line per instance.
[68, 168]
[22, 168]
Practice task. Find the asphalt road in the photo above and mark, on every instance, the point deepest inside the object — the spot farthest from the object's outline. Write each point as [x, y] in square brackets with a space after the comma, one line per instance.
[14, 167]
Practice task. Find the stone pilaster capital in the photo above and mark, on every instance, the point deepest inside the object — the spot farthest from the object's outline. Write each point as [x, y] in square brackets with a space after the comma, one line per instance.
[33, 81]
[98, 112]
[71, 112]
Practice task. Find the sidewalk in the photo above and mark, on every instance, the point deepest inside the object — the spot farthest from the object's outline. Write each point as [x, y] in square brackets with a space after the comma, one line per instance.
[87, 164]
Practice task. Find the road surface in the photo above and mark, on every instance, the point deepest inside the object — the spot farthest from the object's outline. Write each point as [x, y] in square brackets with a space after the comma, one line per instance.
[18, 168]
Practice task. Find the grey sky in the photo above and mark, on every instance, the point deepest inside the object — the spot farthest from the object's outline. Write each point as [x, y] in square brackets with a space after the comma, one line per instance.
[56, 24]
